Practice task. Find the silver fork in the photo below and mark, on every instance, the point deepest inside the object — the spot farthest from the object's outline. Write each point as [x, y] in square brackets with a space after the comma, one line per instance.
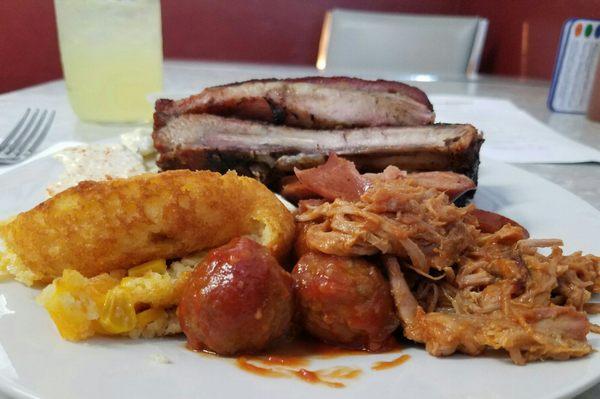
[26, 136]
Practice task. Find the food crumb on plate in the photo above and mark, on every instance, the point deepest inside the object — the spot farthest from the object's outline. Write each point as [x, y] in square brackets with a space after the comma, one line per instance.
[160, 358]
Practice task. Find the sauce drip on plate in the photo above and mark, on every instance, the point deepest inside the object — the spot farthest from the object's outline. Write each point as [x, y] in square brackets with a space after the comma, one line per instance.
[389, 364]
[329, 377]
[293, 360]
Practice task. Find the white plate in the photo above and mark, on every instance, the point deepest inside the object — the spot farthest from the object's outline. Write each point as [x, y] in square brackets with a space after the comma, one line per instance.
[36, 362]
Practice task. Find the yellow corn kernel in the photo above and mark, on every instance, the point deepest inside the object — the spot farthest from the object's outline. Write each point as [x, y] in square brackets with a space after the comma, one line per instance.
[70, 319]
[157, 266]
[149, 315]
[69, 305]
[99, 286]
[105, 304]
[118, 314]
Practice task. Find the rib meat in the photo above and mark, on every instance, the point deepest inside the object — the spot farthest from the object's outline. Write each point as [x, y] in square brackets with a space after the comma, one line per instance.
[268, 152]
[312, 102]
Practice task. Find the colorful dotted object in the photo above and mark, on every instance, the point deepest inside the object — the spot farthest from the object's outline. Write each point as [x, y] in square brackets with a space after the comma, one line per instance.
[578, 29]
[588, 30]
[597, 32]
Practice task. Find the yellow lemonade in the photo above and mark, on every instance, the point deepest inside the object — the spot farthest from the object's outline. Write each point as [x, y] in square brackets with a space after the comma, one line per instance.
[111, 52]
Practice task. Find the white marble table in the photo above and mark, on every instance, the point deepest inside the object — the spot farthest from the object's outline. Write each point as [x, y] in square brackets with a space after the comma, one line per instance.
[186, 77]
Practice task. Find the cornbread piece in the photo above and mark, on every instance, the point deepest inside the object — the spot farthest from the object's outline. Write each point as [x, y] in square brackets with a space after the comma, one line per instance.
[97, 227]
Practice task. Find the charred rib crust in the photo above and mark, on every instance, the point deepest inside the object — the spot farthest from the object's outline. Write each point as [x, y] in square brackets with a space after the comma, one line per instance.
[278, 113]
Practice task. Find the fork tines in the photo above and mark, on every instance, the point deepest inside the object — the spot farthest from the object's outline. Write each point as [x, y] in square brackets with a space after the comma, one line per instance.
[26, 136]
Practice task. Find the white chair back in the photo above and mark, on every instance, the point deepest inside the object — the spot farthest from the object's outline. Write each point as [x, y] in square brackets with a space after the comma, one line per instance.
[406, 43]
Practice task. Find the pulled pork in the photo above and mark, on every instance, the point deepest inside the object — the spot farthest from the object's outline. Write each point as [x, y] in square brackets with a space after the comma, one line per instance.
[459, 286]
[397, 217]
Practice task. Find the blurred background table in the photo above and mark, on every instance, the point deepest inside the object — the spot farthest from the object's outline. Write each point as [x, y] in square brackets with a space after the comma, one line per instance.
[183, 78]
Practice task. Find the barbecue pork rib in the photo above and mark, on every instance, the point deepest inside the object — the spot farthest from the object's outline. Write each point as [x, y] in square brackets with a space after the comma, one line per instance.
[269, 152]
[312, 103]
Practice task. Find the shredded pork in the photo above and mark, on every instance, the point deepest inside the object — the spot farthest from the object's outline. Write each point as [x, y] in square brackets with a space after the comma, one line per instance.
[456, 287]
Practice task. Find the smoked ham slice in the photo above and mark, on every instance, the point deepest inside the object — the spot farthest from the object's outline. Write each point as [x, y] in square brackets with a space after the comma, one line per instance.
[339, 178]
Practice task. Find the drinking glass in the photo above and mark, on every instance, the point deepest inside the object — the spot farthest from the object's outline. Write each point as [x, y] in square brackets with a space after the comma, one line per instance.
[111, 53]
